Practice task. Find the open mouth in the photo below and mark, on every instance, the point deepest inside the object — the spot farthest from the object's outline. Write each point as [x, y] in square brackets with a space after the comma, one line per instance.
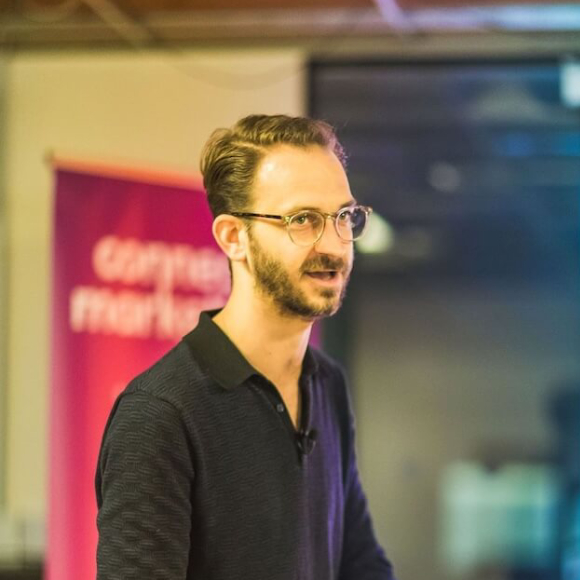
[326, 275]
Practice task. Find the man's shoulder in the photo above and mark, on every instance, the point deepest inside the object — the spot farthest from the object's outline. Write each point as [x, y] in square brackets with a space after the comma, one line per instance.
[327, 366]
[174, 378]
[331, 378]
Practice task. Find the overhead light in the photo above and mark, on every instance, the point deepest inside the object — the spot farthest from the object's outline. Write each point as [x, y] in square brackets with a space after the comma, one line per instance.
[570, 84]
[379, 237]
[444, 177]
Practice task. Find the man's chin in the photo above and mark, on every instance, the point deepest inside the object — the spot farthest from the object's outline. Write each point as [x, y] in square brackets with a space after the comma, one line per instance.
[326, 309]
[311, 311]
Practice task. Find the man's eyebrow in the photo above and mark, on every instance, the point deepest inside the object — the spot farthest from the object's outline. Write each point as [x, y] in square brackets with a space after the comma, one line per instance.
[306, 208]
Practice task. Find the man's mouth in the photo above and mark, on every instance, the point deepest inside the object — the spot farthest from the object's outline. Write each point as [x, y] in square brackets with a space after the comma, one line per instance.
[325, 275]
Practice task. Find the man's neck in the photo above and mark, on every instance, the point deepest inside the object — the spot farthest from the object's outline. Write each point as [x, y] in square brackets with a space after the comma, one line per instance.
[272, 343]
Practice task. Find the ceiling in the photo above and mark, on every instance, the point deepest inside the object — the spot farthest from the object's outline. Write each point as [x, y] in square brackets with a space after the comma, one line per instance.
[30, 24]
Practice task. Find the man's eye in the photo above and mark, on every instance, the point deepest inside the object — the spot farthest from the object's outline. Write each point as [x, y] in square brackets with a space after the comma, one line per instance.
[345, 216]
[303, 219]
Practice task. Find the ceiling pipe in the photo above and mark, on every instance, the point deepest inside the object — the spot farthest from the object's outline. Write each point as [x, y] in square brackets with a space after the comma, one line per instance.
[126, 27]
[394, 15]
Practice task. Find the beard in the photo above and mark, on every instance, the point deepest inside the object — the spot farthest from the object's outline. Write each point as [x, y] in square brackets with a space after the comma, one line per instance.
[274, 281]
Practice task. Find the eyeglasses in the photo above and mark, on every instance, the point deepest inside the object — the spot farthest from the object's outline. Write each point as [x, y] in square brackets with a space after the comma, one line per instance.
[305, 227]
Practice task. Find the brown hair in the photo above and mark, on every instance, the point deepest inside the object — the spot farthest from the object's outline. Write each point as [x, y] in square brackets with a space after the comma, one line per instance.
[231, 156]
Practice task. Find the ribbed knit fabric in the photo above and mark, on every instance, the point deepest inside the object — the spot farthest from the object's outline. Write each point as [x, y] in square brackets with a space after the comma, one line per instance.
[202, 476]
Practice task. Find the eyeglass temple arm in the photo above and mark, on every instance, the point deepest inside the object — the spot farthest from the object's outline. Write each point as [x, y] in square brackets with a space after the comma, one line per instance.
[263, 215]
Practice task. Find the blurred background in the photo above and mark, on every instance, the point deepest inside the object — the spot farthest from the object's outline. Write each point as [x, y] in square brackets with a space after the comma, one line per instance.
[461, 330]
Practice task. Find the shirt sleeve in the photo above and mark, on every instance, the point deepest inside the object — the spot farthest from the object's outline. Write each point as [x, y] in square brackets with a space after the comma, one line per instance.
[144, 482]
[362, 556]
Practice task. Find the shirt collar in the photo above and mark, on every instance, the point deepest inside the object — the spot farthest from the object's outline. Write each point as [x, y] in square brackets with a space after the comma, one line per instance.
[220, 357]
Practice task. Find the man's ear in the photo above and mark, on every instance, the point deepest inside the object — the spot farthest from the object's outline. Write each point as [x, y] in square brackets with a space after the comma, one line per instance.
[230, 234]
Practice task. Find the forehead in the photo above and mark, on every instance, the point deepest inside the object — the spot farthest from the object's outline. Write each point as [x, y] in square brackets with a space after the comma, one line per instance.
[290, 178]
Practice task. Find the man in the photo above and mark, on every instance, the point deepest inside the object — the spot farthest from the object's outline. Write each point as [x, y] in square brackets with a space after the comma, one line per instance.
[233, 456]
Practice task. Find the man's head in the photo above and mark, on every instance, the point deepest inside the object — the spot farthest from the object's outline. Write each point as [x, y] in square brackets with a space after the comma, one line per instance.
[231, 157]
[280, 166]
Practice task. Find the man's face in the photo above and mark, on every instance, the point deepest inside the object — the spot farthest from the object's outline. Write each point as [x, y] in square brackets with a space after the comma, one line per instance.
[275, 280]
[306, 282]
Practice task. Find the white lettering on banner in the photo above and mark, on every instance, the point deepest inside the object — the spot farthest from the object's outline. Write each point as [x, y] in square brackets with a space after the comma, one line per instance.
[135, 314]
[166, 266]
[140, 314]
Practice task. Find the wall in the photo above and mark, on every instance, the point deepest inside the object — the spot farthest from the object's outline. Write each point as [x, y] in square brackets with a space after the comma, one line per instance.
[448, 372]
[145, 108]
[3, 280]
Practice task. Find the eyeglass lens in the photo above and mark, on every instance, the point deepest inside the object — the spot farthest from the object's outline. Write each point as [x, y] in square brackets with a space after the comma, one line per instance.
[306, 227]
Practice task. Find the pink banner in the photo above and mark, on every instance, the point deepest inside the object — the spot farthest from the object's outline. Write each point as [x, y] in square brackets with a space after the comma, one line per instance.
[134, 264]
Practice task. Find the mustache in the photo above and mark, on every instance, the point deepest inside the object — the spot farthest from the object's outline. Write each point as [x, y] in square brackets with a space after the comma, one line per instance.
[324, 262]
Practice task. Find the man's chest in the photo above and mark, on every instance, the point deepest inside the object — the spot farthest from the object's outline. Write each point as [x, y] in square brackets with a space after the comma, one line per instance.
[256, 491]
[292, 399]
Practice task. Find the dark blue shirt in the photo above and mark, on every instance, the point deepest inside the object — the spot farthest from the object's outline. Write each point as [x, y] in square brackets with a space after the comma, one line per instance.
[202, 474]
